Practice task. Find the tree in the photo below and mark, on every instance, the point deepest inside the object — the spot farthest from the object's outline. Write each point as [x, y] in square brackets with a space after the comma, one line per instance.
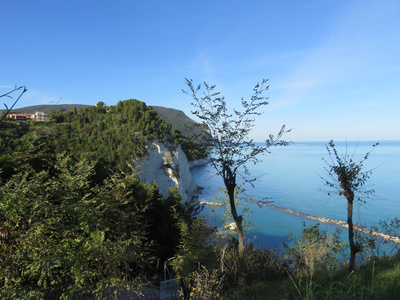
[232, 147]
[197, 249]
[347, 178]
[22, 90]
[59, 232]
[66, 229]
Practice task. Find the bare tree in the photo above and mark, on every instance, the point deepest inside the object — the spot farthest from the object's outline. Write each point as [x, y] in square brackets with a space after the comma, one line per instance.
[231, 147]
[347, 178]
[22, 90]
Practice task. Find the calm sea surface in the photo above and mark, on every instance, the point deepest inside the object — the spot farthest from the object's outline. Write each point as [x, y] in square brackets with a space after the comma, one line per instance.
[290, 177]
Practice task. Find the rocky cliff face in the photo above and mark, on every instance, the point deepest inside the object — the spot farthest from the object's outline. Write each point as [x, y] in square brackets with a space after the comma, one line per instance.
[169, 166]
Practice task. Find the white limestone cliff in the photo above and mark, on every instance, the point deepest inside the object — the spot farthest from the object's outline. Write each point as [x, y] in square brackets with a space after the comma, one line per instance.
[167, 164]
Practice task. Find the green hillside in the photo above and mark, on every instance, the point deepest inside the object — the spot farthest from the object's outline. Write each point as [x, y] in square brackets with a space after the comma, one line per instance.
[176, 118]
[73, 219]
[46, 108]
[184, 129]
[179, 121]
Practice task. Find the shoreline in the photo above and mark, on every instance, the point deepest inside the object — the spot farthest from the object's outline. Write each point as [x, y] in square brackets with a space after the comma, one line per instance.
[343, 224]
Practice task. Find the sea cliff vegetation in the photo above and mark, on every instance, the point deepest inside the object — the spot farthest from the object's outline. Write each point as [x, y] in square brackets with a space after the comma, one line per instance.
[75, 222]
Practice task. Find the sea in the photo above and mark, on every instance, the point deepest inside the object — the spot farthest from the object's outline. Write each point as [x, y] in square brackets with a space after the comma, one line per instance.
[291, 177]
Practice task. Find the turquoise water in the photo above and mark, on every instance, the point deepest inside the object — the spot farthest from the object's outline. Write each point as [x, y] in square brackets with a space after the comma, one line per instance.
[290, 177]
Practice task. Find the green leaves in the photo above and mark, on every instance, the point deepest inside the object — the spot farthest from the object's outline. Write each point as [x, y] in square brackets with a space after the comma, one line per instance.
[61, 231]
[347, 178]
[314, 249]
[346, 175]
[229, 138]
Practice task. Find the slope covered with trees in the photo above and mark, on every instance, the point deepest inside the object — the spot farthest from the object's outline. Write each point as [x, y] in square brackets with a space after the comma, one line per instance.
[72, 218]
[115, 135]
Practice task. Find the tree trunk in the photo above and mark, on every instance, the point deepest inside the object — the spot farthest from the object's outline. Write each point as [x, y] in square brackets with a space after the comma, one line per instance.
[353, 250]
[238, 221]
[230, 184]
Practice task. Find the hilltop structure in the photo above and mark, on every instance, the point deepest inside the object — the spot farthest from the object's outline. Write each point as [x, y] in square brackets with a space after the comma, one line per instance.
[37, 116]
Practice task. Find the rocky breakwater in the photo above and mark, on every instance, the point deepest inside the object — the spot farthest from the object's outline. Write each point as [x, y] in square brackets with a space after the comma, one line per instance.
[168, 166]
[369, 231]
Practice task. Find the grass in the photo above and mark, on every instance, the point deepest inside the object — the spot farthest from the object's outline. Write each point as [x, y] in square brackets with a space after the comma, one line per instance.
[377, 279]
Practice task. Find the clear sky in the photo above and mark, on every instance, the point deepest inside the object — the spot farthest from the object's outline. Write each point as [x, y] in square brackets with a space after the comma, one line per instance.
[333, 66]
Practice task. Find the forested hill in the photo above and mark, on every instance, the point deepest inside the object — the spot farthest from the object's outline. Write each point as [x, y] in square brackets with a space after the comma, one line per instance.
[73, 221]
[46, 108]
[115, 134]
[179, 121]
[176, 118]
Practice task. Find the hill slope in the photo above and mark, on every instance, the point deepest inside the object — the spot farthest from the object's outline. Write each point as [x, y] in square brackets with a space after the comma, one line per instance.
[46, 108]
[177, 118]
[179, 121]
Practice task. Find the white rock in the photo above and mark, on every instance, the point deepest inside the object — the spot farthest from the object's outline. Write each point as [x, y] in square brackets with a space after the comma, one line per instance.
[169, 166]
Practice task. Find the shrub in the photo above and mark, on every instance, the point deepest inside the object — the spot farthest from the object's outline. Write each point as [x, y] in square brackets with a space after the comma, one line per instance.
[258, 265]
[314, 249]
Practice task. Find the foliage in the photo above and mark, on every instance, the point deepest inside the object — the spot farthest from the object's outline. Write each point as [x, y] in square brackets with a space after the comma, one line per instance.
[256, 266]
[377, 279]
[222, 200]
[375, 245]
[197, 249]
[62, 229]
[61, 232]
[185, 132]
[314, 249]
[347, 178]
[232, 148]
[114, 135]
[72, 219]
[206, 285]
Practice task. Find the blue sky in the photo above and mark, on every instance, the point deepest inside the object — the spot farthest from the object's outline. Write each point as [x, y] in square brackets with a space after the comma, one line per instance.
[333, 66]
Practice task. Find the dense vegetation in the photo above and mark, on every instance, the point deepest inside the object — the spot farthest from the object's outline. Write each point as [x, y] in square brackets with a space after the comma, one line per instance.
[72, 218]
[187, 132]
[114, 135]
[375, 280]
[74, 222]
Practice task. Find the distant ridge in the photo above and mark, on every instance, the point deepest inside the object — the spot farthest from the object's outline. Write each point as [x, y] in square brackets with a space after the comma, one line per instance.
[179, 121]
[46, 108]
[177, 118]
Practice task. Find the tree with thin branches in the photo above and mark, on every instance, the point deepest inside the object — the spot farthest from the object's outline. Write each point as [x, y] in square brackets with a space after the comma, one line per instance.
[347, 178]
[21, 90]
[228, 139]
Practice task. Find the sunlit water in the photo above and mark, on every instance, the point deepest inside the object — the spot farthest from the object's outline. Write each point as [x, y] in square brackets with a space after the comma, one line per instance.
[291, 177]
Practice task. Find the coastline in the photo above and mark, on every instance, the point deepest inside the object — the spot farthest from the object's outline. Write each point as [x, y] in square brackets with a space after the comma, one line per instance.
[343, 224]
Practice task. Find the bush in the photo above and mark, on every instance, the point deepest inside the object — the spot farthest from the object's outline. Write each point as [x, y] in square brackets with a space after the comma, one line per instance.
[314, 249]
[206, 285]
[258, 265]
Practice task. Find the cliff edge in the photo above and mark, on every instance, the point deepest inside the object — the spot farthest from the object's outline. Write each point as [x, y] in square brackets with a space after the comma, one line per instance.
[168, 166]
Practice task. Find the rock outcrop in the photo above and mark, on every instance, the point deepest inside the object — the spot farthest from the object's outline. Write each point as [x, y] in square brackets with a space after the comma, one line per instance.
[167, 164]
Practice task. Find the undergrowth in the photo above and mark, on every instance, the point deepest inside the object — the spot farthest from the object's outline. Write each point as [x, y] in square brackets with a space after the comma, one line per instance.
[376, 279]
